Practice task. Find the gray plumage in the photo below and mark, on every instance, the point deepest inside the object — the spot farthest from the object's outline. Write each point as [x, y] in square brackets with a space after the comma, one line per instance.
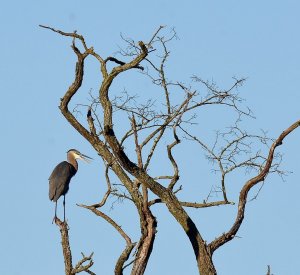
[60, 178]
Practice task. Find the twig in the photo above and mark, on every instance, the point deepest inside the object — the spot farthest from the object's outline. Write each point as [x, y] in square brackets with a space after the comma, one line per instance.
[108, 192]
[154, 35]
[71, 34]
[80, 267]
[196, 204]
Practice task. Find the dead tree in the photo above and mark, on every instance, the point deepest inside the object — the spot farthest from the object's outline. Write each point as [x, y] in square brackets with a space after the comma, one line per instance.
[169, 120]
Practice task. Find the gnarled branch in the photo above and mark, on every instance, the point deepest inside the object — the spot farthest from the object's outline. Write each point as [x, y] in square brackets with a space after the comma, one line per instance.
[247, 187]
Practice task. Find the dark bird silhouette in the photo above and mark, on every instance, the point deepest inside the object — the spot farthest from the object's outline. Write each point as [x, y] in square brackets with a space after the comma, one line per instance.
[59, 179]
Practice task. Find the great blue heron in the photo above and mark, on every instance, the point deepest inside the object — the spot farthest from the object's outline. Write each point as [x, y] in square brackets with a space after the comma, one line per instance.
[60, 177]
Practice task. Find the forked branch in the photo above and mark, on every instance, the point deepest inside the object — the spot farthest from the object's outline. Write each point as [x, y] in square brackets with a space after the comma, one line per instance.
[80, 267]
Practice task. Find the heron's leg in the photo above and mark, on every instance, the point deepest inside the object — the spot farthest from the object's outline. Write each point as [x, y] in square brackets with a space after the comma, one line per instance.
[55, 209]
[64, 203]
[54, 219]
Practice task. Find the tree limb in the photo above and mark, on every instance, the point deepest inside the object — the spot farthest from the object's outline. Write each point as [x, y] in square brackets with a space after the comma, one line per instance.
[69, 270]
[226, 237]
[129, 245]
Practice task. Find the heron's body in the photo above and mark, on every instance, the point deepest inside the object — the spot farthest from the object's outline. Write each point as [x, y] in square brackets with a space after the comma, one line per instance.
[60, 178]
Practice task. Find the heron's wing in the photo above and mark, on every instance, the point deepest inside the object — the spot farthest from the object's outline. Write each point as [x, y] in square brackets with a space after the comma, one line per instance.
[59, 180]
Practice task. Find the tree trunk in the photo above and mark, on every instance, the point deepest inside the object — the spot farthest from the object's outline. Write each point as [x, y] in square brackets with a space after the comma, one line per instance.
[202, 251]
[148, 227]
[205, 263]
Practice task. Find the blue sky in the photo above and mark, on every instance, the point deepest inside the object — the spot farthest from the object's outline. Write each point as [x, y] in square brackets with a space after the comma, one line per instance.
[218, 40]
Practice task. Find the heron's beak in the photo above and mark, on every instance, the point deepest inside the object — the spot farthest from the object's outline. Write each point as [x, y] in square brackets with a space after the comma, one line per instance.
[85, 158]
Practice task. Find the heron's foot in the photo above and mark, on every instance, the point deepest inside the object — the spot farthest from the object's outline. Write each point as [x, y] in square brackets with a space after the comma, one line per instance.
[61, 224]
[65, 221]
[54, 219]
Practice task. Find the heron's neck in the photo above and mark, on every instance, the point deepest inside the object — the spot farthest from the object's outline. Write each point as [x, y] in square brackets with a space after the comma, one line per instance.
[72, 160]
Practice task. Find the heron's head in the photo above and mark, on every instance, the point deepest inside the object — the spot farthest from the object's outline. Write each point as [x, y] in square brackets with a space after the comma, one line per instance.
[77, 155]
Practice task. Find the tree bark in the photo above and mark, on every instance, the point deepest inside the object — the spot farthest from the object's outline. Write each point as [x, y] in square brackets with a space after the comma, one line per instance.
[145, 246]
[63, 227]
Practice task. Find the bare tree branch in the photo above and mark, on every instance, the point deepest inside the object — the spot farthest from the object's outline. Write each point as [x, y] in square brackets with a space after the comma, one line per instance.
[108, 192]
[247, 187]
[113, 59]
[80, 267]
[91, 122]
[72, 34]
[129, 245]
[69, 270]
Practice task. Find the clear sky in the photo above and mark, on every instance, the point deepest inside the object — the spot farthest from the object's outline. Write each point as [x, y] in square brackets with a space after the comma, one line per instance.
[259, 40]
